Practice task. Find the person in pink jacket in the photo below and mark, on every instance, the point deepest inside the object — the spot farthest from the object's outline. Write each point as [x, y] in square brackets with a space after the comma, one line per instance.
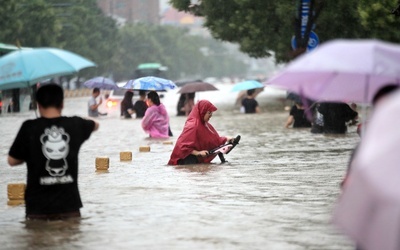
[156, 120]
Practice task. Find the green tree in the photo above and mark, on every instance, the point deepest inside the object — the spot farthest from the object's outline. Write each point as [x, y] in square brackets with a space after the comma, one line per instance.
[81, 27]
[29, 23]
[174, 48]
[260, 26]
[75, 25]
[86, 31]
[135, 45]
[377, 18]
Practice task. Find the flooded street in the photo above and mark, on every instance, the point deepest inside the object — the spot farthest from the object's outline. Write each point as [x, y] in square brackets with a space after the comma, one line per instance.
[276, 191]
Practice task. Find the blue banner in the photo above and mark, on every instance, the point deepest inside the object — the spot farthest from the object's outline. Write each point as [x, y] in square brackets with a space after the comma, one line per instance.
[305, 10]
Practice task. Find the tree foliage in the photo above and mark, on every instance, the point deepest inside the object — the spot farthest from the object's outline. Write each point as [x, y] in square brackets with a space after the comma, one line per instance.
[20, 19]
[81, 27]
[86, 31]
[260, 26]
[174, 48]
[377, 17]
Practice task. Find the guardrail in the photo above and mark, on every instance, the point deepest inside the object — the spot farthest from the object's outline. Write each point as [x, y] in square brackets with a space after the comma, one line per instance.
[77, 93]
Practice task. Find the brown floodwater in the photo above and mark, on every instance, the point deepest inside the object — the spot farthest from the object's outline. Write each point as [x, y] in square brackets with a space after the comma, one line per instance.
[276, 191]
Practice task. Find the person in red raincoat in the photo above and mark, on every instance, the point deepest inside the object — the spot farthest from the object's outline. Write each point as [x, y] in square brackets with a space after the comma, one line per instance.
[197, 138]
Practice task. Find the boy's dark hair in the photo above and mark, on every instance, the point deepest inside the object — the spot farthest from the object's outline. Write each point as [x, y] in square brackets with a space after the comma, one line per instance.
[153, 96]
[385, 90]
[142, 92]
[251, 91]
[298, 102]
[50, 95]
[96, 90]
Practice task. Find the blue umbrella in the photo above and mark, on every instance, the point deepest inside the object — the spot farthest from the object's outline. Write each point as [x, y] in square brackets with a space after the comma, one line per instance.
[101, 83]
[26, 67]
[246, 85]
[150, 83]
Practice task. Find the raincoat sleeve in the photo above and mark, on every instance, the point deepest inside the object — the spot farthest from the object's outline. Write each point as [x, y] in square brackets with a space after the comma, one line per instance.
[188, 142]
[185, 144]
[148, 119]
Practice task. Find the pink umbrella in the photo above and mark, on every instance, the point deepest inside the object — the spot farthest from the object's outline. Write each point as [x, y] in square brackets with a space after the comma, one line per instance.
[342, 70]
[369, 209]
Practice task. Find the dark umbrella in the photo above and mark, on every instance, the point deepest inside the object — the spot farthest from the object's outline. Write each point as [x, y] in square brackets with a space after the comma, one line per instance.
[196, 87]
[180, 83]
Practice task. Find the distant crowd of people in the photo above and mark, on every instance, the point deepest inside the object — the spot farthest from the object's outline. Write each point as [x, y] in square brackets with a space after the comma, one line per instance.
[321, 117]
[155, 119]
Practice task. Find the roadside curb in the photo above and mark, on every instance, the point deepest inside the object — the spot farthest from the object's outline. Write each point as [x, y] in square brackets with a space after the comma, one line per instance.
[77, 93]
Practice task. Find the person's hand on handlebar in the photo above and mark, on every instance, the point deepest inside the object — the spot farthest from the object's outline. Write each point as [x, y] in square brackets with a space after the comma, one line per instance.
[202, 153]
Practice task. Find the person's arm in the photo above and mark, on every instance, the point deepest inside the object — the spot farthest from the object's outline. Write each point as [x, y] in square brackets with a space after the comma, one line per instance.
[95, 106]
[205, 153]
[131, 109]
[148, 119]
[186, 108]
[289, 121]
[135, 108]
[202, 153]
[258, 110]
[20, 147]
[13, 161]
[96, 126]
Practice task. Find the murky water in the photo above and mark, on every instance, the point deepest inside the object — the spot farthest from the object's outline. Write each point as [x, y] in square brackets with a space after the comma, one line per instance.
[276, 191]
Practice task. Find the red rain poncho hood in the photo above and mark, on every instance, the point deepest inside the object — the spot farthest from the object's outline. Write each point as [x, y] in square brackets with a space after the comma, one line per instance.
[197, 135]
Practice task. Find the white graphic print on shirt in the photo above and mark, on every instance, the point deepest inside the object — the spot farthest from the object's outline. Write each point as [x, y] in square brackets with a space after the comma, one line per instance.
[55, 148]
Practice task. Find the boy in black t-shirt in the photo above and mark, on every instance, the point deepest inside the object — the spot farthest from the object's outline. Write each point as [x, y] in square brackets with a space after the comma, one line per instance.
[140, 105]
[50, 145]
[250, 104]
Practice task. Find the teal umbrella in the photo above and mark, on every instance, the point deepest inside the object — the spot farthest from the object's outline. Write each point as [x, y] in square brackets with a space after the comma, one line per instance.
[246, 85]
[6, 48]
[23, 68]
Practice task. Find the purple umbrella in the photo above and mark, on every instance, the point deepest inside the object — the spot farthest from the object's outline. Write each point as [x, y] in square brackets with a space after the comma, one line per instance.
[368, 211]
[101, 83]
[342, 70]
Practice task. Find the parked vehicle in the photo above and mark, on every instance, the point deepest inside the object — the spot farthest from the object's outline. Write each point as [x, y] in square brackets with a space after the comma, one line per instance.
[150, 69]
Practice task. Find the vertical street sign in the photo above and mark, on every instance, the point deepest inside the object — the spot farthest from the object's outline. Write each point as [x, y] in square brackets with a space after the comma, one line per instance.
[305, 10]
[313, 40]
